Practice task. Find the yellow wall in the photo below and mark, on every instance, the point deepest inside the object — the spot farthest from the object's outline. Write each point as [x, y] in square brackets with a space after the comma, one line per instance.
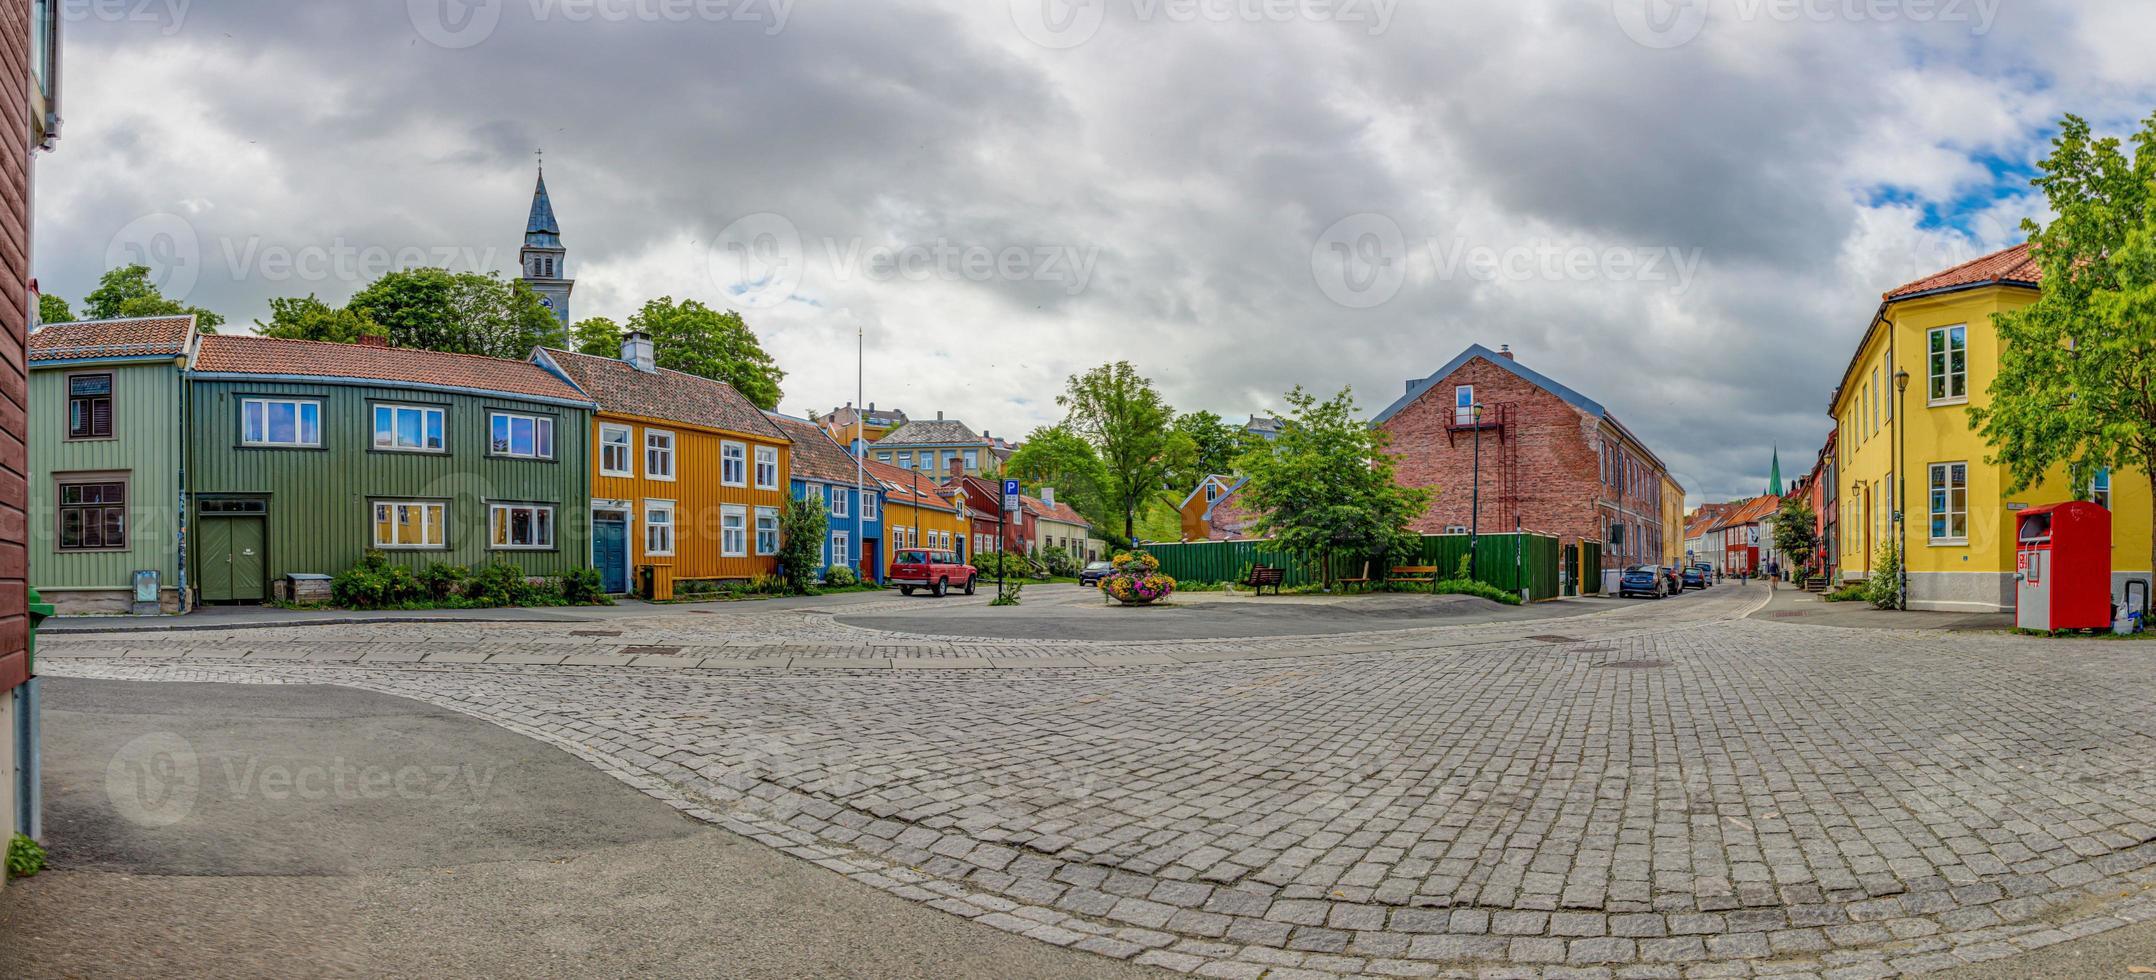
[1940, 433]
[1672, 522]
[899, 515]
[697, 493]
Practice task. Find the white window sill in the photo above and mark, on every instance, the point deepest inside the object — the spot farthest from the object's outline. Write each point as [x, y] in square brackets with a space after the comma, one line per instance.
[1946, 402]
[626, 474]
[1947, 543]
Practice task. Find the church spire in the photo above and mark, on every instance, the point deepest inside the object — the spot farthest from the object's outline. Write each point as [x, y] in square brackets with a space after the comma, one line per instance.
[544, 260]
[541, 230]
[1774, 477]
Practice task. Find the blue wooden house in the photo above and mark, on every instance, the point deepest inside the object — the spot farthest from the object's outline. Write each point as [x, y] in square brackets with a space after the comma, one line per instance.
[823, 470]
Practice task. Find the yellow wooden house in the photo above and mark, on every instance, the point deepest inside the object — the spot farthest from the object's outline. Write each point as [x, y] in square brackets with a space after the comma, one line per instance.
[688, 476]
[917, 513]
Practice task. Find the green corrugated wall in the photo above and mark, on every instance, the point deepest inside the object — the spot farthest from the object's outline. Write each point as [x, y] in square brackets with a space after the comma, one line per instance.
[1507, 561]
[146, 444]
[320, 500]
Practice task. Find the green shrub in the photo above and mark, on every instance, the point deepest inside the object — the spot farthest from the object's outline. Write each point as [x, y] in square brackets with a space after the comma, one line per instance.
[1009, 564]
[584, 587]
[1060, 563]
[442, 580]
[24, 857]
[1468, 586]
[374, 583]
[768, 585]
[1884, 590]
[503, 584]
[1008, 595]
[841, 577]
[802, 527]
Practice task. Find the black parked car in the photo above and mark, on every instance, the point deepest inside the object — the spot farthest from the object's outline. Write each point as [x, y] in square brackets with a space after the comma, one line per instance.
[1695, 576]
[1646, 580]
[1094, 571]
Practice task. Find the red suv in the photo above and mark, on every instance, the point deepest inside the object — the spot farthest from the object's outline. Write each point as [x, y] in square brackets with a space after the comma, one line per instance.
[936, 571]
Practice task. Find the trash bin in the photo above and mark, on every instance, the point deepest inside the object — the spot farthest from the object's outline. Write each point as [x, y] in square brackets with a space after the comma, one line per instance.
[40, 610]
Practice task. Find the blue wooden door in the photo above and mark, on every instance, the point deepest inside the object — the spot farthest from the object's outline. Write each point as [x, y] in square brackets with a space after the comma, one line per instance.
[610, 552]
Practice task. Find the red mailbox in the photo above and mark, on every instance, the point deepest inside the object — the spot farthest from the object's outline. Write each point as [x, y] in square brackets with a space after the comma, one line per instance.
[2062, 571]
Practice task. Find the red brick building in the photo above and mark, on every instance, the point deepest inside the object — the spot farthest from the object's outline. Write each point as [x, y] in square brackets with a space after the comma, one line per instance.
[1553, 461]
[29, 59]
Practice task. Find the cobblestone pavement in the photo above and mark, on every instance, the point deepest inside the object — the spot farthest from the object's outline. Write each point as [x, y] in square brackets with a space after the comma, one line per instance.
[1665, 790]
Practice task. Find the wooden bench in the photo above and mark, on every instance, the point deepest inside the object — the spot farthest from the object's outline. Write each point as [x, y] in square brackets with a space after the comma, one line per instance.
[1414, 575]
[1264, 575]
[1362, 580]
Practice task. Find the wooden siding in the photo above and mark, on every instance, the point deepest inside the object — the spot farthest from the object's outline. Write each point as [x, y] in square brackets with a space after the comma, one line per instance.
[320, 513]
[147, 445]
[898, 515]
[697, 494]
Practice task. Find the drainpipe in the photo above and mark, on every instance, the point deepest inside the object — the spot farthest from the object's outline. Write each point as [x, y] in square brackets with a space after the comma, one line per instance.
[1900, 380]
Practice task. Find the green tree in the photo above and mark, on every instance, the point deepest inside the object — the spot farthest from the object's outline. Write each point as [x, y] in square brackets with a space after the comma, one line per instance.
[53, 309]
[1213, 447]
[1054, 456]
[1325, 489]
[458, 312]
[1124, 417]
[2077, 368]
[1796, 533]
[308, 318]
[801, 537]
[695, 339]
[597, 336]
[128, 292]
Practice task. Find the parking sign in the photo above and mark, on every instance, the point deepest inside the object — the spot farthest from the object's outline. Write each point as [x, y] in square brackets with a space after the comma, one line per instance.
[1010, 495]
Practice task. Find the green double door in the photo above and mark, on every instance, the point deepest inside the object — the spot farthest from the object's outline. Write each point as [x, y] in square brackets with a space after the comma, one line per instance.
[234, 566]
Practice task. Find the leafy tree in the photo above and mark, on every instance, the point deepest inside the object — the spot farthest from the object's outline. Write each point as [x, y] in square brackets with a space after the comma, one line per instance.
[695, 339]
[1213, 446]
[1125, 419]
[801, 537]
[597, 336]
[458, 312]
[1796, 532]
[308, 318]
[53, 309]
[2077, 368]
[1325, 487]
[1054, 456]
[128, 292]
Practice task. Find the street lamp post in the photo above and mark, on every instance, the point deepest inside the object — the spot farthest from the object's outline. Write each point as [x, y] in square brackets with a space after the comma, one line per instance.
[1474, 517]
[1901, 491]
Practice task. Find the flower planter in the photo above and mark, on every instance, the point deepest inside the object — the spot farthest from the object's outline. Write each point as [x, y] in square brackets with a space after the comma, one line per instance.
[1137, 581]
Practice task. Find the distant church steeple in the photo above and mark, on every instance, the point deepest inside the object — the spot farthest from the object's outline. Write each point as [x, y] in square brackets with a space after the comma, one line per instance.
[544, 259]
[1774, 478]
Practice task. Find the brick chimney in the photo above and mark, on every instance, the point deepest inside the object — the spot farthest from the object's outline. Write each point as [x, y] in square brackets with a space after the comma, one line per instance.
[1505, 351]
[636, 349]
[373, 340]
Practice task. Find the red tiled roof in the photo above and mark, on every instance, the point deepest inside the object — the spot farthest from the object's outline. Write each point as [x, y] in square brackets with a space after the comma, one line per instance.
[1058, 512]
[1749, 511]
[899, 487]
[149, 336]
[2013, 265]
[662, 394]
[249, 354]
[815, 456]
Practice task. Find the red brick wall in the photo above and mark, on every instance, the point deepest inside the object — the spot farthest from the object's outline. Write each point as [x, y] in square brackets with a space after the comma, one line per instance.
[1544, 468]
[14, 326]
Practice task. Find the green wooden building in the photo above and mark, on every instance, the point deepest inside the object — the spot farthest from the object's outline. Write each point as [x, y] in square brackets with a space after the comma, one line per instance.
[305, 455]
[107, 447]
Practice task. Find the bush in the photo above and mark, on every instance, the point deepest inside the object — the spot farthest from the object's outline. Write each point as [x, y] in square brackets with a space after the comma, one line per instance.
[1467, 586]
[501, 584]
[802, 532]
[24, 857]
[1060, 563]
[1853, 592]
[442, 580]
[584, 587]
[768, 585]
[1006, 563]
[1008, 595]
[374, 583]
[1884, 590]
[841, 577]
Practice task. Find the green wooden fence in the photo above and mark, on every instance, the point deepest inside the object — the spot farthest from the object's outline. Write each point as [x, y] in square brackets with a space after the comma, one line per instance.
[1508, 561]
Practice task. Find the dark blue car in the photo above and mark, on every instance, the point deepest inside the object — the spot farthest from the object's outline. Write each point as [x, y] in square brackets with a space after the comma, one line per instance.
[1695, 576]
[1646, 580]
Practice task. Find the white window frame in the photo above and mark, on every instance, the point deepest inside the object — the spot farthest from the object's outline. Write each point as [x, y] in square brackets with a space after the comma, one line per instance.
[1939, 366]
[299, 407]
[1463, 404]
[440, 524]
[655, 506]
[496, 529]
[767, 457]
[869, 509]
[733, 536]
[539, 423]
[841, 548]
[2100, 489]
[905, 461]
[374, 422]
[763, 514]
[662, 442]
[1939, 503]
[627, 446]
[839, 503]
[733, 464]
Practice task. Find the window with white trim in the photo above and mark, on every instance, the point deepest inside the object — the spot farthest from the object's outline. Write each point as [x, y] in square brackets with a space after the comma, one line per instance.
[1949, 502]
[869, 507]
[409, 428]
[658, 527]
[517, 526]
[905, 461]
[841, 548]
[767, 467]
[522, 436]
[767, 530]
[1463, 405]
[1947, 363]
[617, 450]
[733, 531]
[658, 454]
[839, 505]
[410, 524]
[280, 422]
[733, 464]
[2100, 489]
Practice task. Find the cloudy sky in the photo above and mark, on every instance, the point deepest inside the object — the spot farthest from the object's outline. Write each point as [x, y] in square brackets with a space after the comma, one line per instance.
[1686, 210]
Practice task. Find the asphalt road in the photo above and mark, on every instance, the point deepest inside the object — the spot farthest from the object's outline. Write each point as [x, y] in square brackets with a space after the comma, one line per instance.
[302, 830]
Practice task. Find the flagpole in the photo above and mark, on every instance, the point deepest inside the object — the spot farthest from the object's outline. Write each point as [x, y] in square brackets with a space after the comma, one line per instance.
[860, 448]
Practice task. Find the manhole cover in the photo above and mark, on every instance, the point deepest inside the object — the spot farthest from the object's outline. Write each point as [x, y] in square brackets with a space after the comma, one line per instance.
[650, 651]
[1633, 664]
[594, 632]
[1554, 639]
